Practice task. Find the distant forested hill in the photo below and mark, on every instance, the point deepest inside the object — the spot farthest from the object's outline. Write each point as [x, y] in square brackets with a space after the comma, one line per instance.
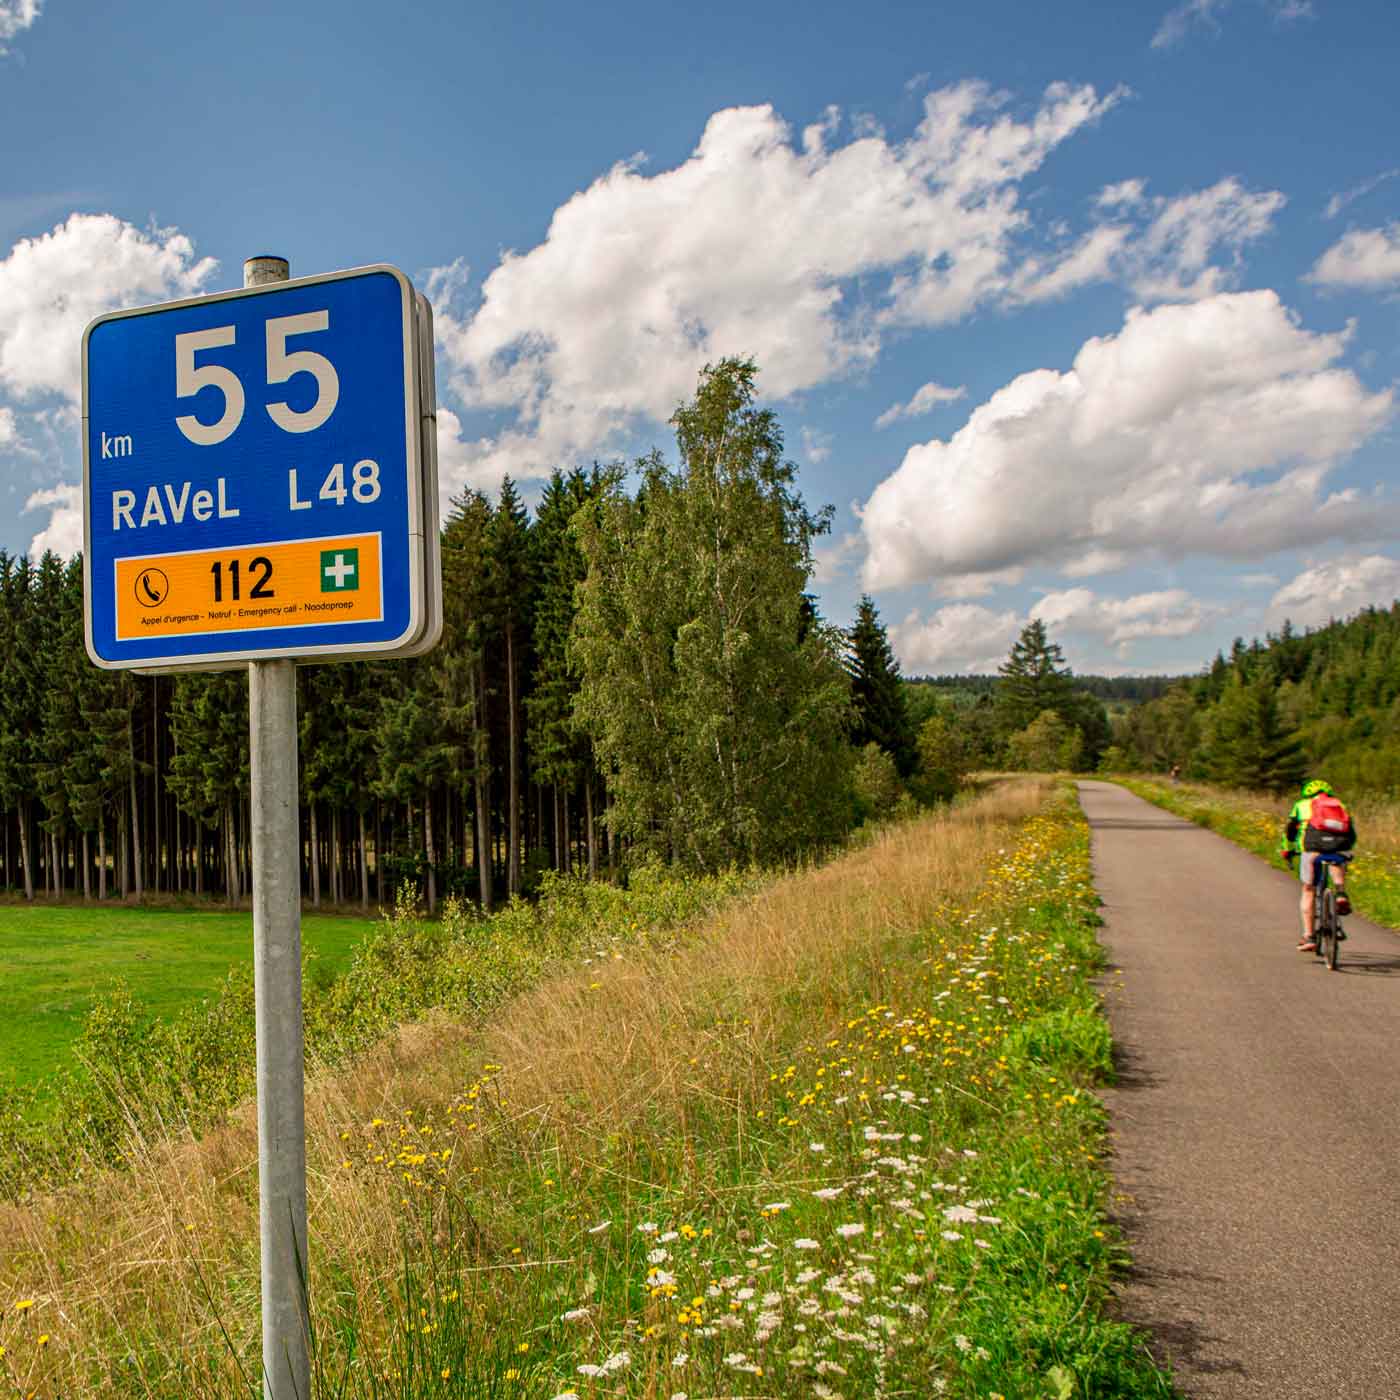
[1133, 689]
[1326, 702]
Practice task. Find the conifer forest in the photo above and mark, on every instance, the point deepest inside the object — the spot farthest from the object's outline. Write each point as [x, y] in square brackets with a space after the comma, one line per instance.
[633, 667]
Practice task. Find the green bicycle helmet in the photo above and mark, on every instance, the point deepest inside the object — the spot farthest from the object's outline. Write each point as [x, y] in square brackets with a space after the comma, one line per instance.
[1313, 786]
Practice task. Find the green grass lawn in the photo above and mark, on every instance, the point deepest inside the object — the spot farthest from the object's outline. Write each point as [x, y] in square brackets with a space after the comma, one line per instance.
[54, 959]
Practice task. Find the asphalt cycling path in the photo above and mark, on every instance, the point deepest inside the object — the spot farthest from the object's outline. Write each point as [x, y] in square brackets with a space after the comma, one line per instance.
[1256, 1121]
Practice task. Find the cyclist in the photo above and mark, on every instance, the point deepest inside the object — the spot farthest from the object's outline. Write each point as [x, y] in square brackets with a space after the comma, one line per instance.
[1295, 845]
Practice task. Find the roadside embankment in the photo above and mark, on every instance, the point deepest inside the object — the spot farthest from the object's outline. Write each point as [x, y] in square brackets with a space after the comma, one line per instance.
[839, 1138]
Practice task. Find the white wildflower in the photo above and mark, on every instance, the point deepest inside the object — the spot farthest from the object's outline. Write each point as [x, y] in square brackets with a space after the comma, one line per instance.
[775, 1206]
[599, 1227]
[951, 1235]
[962, 1343]
[850, 1229]
[648, 1227]
[828, 1193]
[658, 1256]
[574, 1315]
[816, 1147]
[680, 1359]
[805, 1244]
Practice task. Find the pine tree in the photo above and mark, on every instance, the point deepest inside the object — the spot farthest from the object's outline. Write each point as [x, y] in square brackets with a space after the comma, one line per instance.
[881, 716]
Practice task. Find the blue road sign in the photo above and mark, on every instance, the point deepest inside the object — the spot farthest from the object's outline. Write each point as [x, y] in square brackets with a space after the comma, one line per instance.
[259, 475]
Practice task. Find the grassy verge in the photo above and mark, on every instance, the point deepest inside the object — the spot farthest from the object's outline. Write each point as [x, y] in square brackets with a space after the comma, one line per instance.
[56, 961]
[1255, 821]
[140, 1075]
[841, 1142]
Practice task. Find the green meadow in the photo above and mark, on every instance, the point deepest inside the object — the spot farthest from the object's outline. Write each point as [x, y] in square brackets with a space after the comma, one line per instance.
[54, 959]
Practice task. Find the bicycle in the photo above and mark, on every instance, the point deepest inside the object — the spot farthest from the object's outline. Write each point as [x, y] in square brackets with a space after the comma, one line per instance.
[1327, 931]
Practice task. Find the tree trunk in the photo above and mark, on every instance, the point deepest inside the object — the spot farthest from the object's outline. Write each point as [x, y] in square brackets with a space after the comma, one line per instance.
[87, 866]
[337, 893]
[428, 849]
[315, 861]
[24, 857]
[592, 829]
[379, 851]
[199, 858]
[483, 843]
[364, 864]
[513, 697]
[102, 859]
[135, 817]
[231, 854]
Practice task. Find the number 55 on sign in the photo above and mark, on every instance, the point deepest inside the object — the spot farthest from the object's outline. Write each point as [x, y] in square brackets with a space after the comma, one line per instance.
[260, 476]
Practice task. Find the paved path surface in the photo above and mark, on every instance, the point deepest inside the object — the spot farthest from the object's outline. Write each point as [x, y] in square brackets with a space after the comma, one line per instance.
[1256, 1123]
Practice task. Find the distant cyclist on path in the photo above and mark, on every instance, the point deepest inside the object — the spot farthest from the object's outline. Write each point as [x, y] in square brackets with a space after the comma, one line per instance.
[1318, 824]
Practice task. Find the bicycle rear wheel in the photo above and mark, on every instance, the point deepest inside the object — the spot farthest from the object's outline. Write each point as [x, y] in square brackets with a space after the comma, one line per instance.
[1327, 942]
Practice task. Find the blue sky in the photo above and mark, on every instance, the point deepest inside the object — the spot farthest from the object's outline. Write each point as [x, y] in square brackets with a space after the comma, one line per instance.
[1086, 312]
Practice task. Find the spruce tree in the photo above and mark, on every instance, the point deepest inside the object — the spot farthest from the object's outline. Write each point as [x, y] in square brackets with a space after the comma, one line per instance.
[878, 696]
[512, 578]
[1034, 678]
[1247, 745]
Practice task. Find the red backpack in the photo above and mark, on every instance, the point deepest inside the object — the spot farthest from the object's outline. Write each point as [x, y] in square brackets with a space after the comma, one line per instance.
[1329, 825]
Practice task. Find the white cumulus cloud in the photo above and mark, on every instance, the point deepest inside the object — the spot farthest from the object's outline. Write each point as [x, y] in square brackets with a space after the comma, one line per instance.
[1201, 428]
[807, 252]
[1170, 254]
[754, 246]
[1337, 589]
[926, 398]
[971, 637]
[53, 285]
[1168, 612]
[957, 637]
[64, 532]
[15, 17]
[1364, 257]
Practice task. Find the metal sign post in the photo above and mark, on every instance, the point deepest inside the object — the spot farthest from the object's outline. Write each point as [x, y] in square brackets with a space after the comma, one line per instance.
[276, 820]
[260, 484]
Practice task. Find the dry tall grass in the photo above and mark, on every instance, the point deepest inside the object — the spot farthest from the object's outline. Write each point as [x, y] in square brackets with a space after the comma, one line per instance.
[133, 1273]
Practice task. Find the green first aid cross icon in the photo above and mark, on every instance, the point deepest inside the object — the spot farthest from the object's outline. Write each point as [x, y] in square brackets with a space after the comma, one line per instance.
[340, 570]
